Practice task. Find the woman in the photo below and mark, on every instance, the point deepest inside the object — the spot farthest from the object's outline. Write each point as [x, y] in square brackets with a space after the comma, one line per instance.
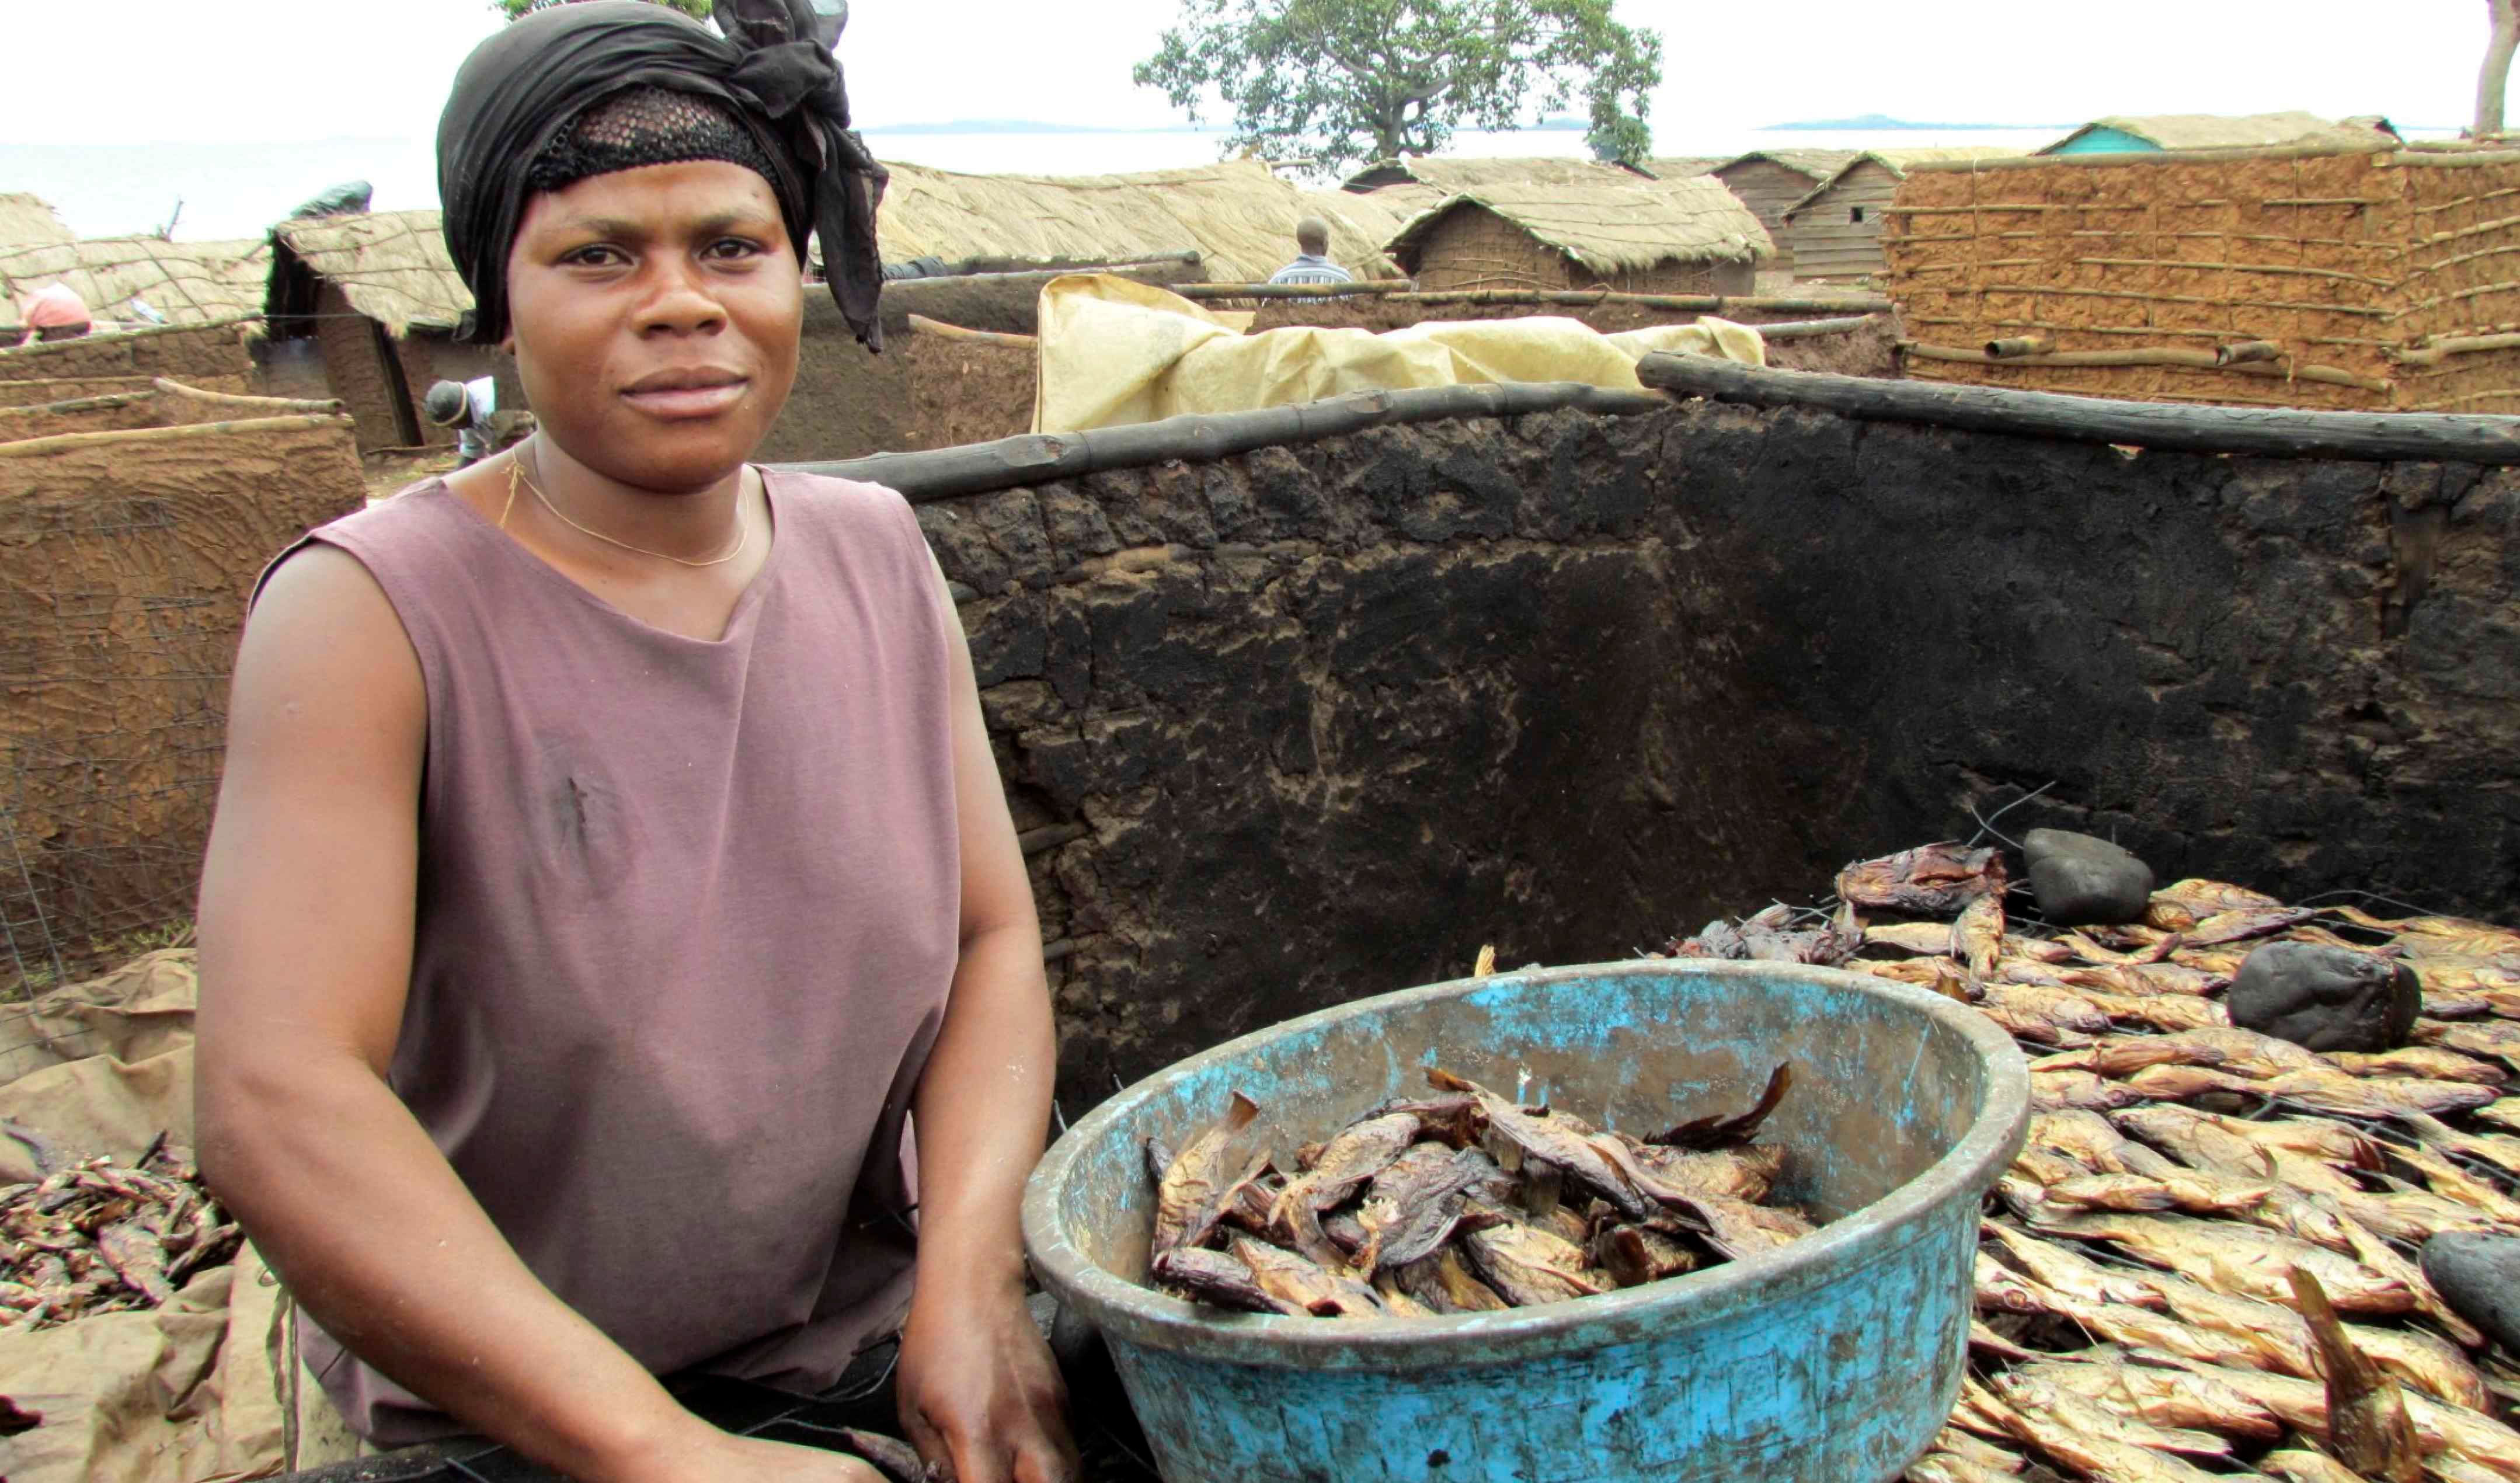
[610, 860]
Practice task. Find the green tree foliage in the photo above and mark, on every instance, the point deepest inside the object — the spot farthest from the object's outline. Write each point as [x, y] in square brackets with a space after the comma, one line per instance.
[1343, 80]
[697, 9]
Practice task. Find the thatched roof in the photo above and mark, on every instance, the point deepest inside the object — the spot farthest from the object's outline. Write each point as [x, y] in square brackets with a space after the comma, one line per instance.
[1684, 166]
[1900, 161]
[391, 265]
[1610, 229]
[2213, 131]
[1239, 215]
[190, 283]
[1453, 176]
[1818, 165]
[29, 221]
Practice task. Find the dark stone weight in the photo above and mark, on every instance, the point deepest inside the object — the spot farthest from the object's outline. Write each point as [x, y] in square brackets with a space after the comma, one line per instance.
[2325, 997]
[2480, 1276]
[2082, 880]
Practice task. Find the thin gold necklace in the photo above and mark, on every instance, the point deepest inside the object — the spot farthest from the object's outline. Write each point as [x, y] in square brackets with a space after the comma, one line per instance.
[516, 472]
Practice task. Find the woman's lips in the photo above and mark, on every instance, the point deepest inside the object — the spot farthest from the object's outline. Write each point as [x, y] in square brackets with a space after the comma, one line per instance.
[677, 403]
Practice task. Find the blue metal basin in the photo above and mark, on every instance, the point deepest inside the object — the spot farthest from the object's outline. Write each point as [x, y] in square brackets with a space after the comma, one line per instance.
[1830, 1361]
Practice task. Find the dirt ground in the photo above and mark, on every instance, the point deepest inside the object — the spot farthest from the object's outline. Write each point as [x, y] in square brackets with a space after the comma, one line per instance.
[391, 470]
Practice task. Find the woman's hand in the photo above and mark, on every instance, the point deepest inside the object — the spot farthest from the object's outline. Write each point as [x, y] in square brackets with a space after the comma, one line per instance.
[979, 1389]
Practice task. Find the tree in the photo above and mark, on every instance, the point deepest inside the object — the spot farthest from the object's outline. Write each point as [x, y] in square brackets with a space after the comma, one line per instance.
[697, 9]
[2497, 66]
[1342, 80]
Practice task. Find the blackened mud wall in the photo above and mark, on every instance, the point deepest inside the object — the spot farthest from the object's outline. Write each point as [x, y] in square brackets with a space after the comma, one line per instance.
[1315, 722]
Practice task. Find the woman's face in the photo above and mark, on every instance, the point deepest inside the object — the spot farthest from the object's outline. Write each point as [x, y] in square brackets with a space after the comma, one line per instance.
[655, 315]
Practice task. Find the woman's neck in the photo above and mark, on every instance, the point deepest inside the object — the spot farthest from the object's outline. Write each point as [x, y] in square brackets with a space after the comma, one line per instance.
[689, 526]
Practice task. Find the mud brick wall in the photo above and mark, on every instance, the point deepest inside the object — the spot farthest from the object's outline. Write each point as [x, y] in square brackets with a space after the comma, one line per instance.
[185, 353]
[1315, 722]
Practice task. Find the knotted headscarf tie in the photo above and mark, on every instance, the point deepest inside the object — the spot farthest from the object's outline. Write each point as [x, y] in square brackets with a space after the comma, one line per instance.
[521, 88]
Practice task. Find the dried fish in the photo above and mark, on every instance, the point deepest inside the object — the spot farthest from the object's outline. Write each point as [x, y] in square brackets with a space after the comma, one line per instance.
[1932, 939]
[1213, 1277]
[1525, 1136]
[2242, 1260]
[2427, 1062]
[1977, 936]
[1189, 1200]
[1635, 1256]
[2304, 1466]
[1719, 1132]
[2057, 1091]
[1933, 880]
[2188, 1190]
[2085, 1438]
[2368, 1423]
[2206, 898]
[1445, 1284]
[2162, 1395]
[2500, 1038]
[1300, 1286]
[1528, 1266]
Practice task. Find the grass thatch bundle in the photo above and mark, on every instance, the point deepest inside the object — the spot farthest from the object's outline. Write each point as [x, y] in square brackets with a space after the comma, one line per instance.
[190, 283]
[1608, 230]
[1239, 215]
[29, 221]
[393, 266]
[1686, 166]
[2240, 131]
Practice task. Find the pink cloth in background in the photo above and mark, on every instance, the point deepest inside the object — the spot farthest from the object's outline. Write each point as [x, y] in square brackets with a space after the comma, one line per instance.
[53, 308]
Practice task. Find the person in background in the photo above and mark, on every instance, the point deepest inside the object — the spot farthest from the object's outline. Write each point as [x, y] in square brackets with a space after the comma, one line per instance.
[467, 407]
[54, 312]
[1311, 264]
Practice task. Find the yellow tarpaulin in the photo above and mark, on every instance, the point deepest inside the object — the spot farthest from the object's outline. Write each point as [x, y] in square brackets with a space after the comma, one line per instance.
[1115, 351]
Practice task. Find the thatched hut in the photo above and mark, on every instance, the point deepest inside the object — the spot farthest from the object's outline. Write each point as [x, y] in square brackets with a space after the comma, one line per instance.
[1239, 215]
[2151, 133]
[1453, 176]
[1684, 166]
[1835, 231]
[29, 221]
[379, 297]
[2374, 278]
[187, 282]
[1770, 181]
[1648, 237]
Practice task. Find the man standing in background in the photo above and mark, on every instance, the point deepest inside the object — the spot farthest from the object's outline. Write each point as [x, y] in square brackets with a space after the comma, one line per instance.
[1311, 264]
[467, 407]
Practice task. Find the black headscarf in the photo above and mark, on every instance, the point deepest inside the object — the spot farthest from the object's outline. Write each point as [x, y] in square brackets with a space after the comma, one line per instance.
[520, 88]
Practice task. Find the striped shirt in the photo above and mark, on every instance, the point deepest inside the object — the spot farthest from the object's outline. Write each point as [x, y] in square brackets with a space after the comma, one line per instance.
[1308, 269]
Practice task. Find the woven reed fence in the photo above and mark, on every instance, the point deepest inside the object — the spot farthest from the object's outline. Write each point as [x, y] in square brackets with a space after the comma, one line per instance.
[2384, 281]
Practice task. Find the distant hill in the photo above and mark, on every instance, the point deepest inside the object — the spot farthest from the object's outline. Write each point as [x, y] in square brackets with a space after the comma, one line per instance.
[1874, 122]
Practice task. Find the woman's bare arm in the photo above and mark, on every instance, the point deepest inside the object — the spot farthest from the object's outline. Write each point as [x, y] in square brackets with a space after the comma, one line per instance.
[306, 941]
[977, 1383]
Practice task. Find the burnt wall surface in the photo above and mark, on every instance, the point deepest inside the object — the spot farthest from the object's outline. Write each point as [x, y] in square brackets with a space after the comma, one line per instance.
[1317, 722]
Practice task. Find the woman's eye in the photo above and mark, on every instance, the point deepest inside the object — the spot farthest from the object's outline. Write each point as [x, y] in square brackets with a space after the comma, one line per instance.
[596, 256]
[733, 247]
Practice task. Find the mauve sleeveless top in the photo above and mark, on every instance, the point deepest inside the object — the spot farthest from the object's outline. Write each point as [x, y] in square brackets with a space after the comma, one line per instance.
[688, 912]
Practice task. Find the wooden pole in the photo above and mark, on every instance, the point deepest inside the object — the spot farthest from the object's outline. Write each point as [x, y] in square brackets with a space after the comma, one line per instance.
[2199, 360]
[2019, 345]
[2244, 352]
[2281, 433]
[1813, 329]
[921, 324]
[1405, 292]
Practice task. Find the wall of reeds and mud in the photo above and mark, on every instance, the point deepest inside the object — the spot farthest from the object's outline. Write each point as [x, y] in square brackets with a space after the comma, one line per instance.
[187, 352]
[1317, 721]
[130, 556]
[2385, 281]
[160, 403]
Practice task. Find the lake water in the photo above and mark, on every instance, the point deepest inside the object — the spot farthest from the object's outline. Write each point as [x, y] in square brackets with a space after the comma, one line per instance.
[238, 189]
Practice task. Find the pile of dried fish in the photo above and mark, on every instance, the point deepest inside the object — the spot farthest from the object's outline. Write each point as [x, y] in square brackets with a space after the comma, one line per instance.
[2203, 1263]
[1462, 1202]
[97, 1236]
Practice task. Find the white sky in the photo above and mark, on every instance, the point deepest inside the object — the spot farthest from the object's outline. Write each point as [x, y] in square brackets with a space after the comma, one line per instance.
[262, 71]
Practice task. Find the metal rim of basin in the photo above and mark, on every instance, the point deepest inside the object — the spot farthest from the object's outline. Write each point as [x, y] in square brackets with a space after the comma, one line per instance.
[1128, 1311]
